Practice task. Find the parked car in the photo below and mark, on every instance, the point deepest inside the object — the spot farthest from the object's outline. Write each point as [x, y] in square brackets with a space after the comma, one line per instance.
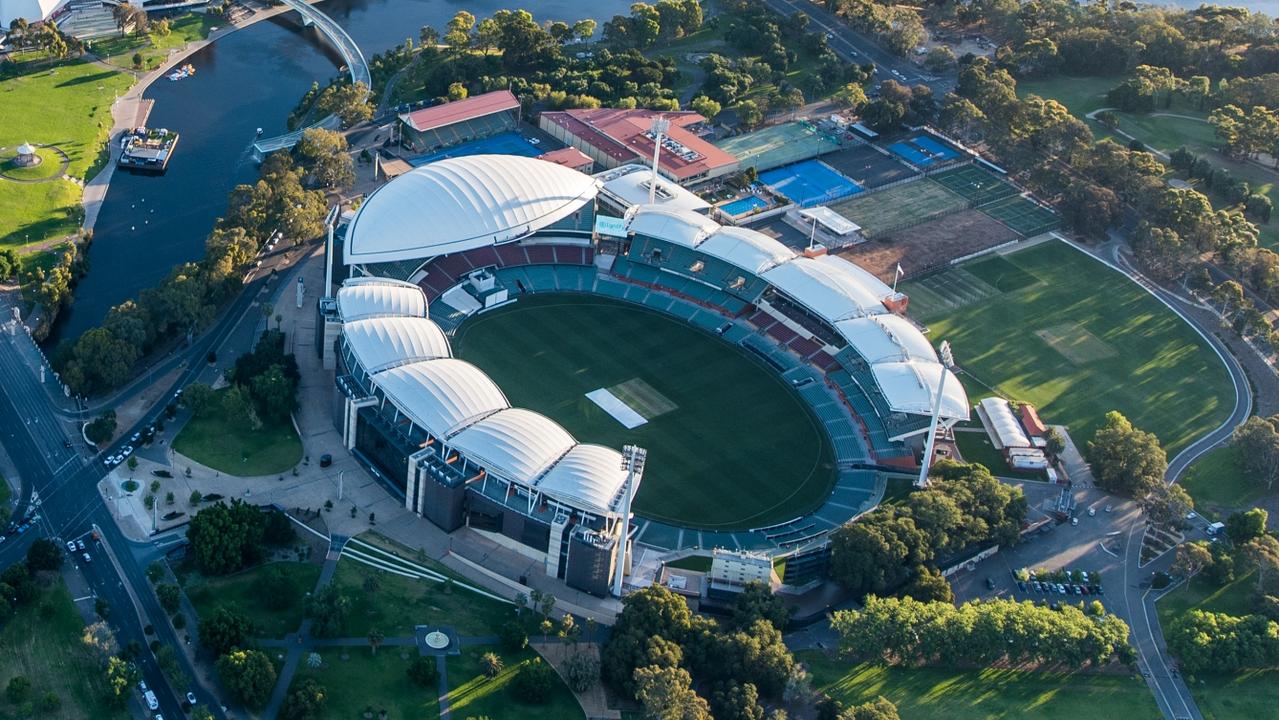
[71, 546]
[80, 544]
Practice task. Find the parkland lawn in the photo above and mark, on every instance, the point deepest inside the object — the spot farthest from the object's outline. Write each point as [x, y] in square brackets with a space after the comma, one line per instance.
[43, 642]
[1051, 326]
[472, 695]
[365, 679]
[1219, 485]
[929, 693]
[240, 592]
[154, 47]
[231, 446]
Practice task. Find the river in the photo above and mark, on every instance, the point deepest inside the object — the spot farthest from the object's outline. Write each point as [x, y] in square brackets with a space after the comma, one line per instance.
[249, 79]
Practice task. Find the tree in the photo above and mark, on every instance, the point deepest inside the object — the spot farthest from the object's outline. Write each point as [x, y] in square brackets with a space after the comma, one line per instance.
[1257, 440]
[929, 585]
[667, 694]
[1125, 459]
[121, 676]
[18, 689]
[225, 630]
[851, 96]
[748, 113]
[278, 529]
[491, 664]
[705, 107]
[225, 538]
[328, 609]
[423, 673]
[324, 156]
[1192, 557]
[732, 701]
[581, 671]
[755, 602]
[307, 701]
[1167, 504]
[248, 675]
[10, 263]
[44, 554]
[457, 91]
[169, 595]
[376, 638]
[1242, 527]
[584, 30]
[102, 428]
[533, 682]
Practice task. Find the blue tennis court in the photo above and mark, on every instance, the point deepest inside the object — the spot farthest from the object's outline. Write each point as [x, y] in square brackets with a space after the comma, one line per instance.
[809, 182]
[923, 150]
[507, 143]
[741, 206]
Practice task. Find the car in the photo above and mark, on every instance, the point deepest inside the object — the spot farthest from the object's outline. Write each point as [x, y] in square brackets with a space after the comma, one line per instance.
[1078, 590]
[535, 141]
[126, 452]
[87, 557]
[80, 544]
[1036, 586]
[1101, 590]
[326, 460]
[1074, 521]
[1092, 512]
[191, 697]
[1192, 515]
[158, 716]
[142, 686]
[990, 583]
[1083, 575]
[1021, 585]
[135, 437]
[70, 546]
[23, 528]
[1109, 508]
[152, 702]
[1061, 589]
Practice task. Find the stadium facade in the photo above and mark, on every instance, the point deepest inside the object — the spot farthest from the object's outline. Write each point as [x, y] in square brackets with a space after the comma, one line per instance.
[434, 246]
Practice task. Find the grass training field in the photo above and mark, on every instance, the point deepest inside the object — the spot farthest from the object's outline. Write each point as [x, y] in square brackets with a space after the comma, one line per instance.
[887, 210]
[991, 694]
[67, 105]
[229, 445]
[42, 642]
[240, 592]
[1022, 215]
[975, 184]
[1161, 375]
[741, 450]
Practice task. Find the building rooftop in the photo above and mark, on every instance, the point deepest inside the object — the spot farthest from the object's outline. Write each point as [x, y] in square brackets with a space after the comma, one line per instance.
[459, 110]
[624, 136]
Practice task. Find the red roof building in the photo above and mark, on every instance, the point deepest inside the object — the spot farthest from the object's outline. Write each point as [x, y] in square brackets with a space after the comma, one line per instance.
[613, 137]
[461, 121]
[453, 112]
[569, 157]
[1031, 422]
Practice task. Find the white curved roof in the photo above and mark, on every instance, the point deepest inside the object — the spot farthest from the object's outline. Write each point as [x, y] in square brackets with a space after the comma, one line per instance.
[442, 395]
[385, 342]
[589, 477]
[886, 337]
[752, 251]
[1008, 430]
[831, 288]
[680, 227]
[30, 10]
[463, 203]
[367, 297]
[911, 386]
[517, 444]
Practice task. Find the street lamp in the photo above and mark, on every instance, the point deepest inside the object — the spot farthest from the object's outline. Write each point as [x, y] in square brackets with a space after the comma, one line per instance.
[947, 362]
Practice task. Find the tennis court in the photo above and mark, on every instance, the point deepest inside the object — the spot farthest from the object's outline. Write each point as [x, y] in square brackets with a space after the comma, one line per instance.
[809, 182]
[507, 143]
[1023, 216]
[923, 151]
[908, 204]
[778, 145]
[979, 185]
[869, 167]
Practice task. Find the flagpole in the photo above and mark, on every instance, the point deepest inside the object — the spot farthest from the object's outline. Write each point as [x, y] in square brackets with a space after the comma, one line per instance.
[896, 276]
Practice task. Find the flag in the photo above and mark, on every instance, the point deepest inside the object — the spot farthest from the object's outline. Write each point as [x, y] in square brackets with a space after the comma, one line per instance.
[900, 272]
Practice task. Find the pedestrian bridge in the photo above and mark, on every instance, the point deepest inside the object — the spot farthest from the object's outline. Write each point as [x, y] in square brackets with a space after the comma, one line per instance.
[356, 65]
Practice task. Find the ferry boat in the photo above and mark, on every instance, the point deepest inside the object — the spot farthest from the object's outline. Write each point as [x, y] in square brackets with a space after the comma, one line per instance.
[148, 150]
[185, 71]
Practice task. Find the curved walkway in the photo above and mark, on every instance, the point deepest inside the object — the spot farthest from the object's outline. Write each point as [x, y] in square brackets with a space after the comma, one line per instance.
[356, 65]
[63, 161]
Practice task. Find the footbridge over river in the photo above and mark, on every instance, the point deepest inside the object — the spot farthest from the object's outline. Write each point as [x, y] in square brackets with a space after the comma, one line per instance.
[351, 55]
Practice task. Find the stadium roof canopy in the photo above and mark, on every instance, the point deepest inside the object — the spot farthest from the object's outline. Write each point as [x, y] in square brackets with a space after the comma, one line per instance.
[832, 289]
[517, 444]
[746, 249]
[886, 337]
[369, 297]
[386, 342]
[679, 227]
[461, 204]
[409, 359]
[910, 386]
[29, 10]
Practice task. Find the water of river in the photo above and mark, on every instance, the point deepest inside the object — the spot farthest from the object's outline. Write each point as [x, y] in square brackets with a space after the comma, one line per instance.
[249, 79]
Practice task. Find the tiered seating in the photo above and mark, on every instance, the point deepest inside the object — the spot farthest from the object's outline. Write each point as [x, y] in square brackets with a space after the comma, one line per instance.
[573, 255]
[781, 333]
[805, 348]
[482, 257]
[511, 254]
[805, 319]
[540, 254]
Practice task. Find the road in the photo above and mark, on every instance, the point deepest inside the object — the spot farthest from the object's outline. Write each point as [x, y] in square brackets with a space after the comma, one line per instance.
[62, 479]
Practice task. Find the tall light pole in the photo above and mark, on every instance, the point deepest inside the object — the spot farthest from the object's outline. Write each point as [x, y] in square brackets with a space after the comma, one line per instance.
[659, 127]
[633, 458]
[947, 362]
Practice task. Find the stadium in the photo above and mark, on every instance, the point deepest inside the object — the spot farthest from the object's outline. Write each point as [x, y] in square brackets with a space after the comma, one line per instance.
[770, 387]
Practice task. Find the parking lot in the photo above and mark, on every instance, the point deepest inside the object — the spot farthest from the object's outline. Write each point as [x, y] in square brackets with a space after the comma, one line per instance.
[1092, 542]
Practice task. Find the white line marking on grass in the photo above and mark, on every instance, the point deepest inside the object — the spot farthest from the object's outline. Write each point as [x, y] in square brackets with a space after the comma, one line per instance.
[619, 410]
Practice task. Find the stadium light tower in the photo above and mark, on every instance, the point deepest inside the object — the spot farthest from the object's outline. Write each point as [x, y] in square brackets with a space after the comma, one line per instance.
[659, 127]
[633, 457]
[947, 362]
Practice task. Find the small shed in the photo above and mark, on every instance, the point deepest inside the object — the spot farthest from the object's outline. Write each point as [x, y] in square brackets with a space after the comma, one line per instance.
[1031, 423]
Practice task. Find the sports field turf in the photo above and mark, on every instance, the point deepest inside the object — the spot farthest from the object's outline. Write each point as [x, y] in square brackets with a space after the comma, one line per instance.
[991, 694]
[890, 209]
[1160, 375]
[740, 450]
[975, 184]
[1022, 215]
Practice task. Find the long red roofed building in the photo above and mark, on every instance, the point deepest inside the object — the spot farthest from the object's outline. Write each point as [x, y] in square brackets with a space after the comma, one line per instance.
[613, 137]
[460, 121]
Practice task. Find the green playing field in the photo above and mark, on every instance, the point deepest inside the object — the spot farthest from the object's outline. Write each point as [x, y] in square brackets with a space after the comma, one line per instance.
[738, 450]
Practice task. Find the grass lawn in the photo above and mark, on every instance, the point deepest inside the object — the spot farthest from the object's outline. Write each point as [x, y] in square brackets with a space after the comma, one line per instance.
[154, 47]
[365, 679]
[240, 592]
[1218, 483]
[229, 445]
[697, 563]
[927, 693]
[1244, 695]
[68, 105]
[471, 694]
[1079, 341]
[398, 604]
[976, 448]
[43, 643]
[739, 449]
[50, 165]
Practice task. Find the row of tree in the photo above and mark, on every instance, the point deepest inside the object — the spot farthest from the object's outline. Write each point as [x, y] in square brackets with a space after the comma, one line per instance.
[906, 631]
[648, 25]
[1219, 643]
[963, 508]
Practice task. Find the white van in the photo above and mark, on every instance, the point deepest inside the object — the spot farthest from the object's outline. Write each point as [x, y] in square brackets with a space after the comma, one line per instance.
[152, 702]
[1215, 528]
